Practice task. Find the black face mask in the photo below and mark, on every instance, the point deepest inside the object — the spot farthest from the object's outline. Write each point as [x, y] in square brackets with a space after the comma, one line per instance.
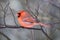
[19, 14]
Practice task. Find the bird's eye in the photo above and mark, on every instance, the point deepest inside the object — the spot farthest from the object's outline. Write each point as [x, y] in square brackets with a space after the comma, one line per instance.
[19, 14]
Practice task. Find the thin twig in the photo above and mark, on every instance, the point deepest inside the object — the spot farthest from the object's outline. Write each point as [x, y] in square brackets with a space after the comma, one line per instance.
[45, 34]
[13, 17]
[27, 5]
[4, 14]
[3, 9]
[54, 4]
[5, 36]
[38, 6]
[37, 19]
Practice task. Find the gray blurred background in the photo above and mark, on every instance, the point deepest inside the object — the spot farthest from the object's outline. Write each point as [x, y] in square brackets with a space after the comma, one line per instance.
[49, 12]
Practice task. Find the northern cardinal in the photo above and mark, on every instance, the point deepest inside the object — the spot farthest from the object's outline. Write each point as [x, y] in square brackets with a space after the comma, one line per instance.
[26, 20]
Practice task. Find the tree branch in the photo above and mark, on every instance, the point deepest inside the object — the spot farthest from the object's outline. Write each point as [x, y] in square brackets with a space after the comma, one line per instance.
[5, 36]
[15, 27]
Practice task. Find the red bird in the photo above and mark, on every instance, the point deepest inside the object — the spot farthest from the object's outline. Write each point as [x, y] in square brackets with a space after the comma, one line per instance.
[26, 20]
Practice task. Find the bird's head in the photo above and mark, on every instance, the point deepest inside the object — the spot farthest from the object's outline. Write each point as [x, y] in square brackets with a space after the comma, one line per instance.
[20, 13]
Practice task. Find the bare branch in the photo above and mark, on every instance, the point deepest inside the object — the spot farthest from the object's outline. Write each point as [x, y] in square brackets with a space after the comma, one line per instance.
[6, 5]
[54, 4]
[37, 9]
[15, 27]
[13, 17]
[4, 10]
[46, 34]
[27, 4]
[5, 36]
[4, 14]
[37, 13]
